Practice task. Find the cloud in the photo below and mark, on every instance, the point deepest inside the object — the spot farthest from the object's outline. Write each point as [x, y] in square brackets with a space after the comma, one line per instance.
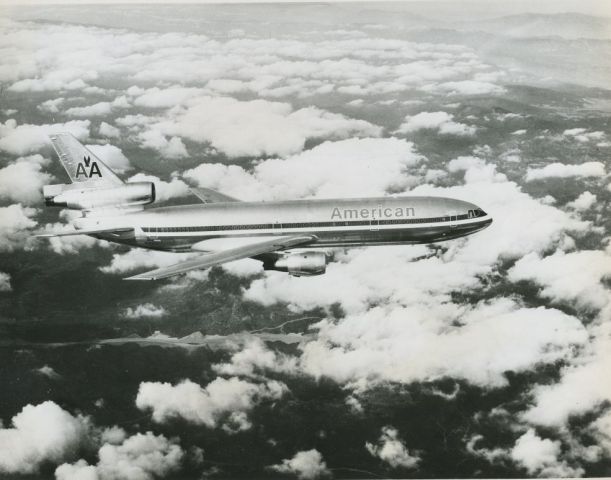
[165, 97]
[574, 277]
[492, 455]
[60, 79]
[561, 170]
[256, 357]
[578, 278]
[5, 282]
[585, 201]
[80, 470]
[145, 310]
[466, 87]
[139, 457]
[580, 389]
[582, 135]
[68, 244]
[258, 127]
[442, 122]
[208, 406]
[390, 449]
[140, 258]
[39, 434]
[602, 429]
[267, 67]
[346, 168]
[48, 372]
[111, 156]
[99, 109]
[540, 456]
[52, 105]
[15, 221]
[108, 131]
[22, 180]
[173, 148]
[23, 139]
[390, 344]
[307, 465]
[243, 268]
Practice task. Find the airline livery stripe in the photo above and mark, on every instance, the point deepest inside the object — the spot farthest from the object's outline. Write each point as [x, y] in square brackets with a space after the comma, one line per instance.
[271, 226]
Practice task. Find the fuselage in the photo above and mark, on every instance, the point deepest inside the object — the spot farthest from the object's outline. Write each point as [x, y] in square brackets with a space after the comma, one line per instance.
[334, 222]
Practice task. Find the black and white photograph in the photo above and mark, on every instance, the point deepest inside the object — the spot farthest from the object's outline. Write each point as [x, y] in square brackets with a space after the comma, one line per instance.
[302, 240]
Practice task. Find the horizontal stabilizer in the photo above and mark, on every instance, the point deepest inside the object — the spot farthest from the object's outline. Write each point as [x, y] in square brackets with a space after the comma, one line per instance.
[65, 233]
[207, 195]
[224, 256]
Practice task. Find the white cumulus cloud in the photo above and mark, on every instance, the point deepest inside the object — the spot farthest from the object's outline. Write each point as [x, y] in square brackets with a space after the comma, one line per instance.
[390, 449]
[208, 406]
[258, 127]
[442, 122]
[22, 180]
[541, 456]
[145, 310]
[38, 434]
[346, 168]
[15, 223]
[306, 465]
[142, 456]
[585, 201]
[23, 139]
[561, 170]
[5, 282]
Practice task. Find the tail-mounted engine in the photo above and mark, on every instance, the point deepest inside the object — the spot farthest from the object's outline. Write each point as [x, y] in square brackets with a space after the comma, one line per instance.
[75, 197]
[302, 264]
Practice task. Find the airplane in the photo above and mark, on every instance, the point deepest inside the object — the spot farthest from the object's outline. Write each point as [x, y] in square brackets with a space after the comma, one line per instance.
[286, 236]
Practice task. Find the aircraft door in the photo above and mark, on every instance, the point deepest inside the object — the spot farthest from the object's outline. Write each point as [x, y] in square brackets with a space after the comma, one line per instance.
[374, 224]
[151, 237]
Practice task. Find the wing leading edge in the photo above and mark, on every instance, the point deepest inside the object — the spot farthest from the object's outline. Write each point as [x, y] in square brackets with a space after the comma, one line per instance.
[207, 195]
[229, 255]
[92, 231]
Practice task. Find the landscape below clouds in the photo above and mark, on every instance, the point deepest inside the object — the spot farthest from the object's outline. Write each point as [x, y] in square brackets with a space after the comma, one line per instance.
[485, 356]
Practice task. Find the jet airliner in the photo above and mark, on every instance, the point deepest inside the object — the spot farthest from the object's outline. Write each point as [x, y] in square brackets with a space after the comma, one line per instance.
[288, 236]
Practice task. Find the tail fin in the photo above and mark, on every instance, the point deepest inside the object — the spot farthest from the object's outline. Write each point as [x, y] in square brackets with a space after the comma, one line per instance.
[80, 163]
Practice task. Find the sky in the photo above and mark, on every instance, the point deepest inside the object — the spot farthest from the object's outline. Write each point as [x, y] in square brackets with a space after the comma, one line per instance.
[592, 7]
[481, 357]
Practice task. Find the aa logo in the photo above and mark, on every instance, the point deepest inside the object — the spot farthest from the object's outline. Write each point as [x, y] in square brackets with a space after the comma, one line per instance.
[89, 169]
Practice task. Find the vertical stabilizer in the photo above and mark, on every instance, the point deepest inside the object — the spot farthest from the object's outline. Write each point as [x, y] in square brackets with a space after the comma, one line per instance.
[80, 163]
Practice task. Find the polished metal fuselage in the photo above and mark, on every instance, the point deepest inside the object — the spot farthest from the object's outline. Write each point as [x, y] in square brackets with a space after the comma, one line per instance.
[334, 222]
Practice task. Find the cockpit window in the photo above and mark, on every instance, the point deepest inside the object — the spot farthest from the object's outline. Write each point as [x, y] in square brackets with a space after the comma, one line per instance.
[478, 212]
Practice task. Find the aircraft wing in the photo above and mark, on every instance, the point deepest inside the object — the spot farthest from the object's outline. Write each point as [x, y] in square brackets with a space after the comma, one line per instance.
[217, 258]
[207, 195]
[83, 232]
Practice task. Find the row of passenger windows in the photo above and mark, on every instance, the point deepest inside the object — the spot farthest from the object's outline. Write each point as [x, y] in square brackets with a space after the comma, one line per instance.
[346, 223]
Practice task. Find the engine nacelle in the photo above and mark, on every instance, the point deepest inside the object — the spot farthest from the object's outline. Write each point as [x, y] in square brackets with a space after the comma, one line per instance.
[302, 264]
[77, 198]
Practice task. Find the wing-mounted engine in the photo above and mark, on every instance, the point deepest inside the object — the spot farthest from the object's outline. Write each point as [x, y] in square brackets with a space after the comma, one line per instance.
[74, 196]
[302, 264]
